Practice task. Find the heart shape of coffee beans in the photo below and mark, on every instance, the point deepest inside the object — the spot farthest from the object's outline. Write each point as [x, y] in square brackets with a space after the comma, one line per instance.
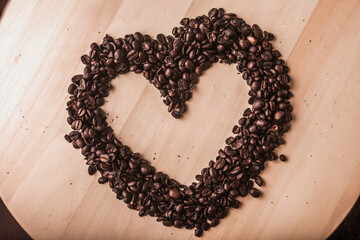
[173, 65]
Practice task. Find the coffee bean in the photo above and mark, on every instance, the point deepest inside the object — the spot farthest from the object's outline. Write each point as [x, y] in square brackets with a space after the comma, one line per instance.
[252, 40]
[189, 64]
[102, 180]
[145, 170]
[174, 193]
[176, 114]
[279, 115]
[244, 44]
[283, 158]
[254, 192]
[182, 84]
[104, 158]
[178, 224]
[212, 172]
[91, 170]
[198, 232]
[259, 181]
[258, 104]
[179, 208]
[77, 125]
[206, 226]
[167, 223]
[214, 222]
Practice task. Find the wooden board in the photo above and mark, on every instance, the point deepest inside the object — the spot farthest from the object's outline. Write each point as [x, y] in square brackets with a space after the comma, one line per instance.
[44, 181]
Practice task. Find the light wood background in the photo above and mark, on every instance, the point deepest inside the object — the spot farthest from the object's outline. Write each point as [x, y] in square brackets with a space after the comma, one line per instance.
[44, 181]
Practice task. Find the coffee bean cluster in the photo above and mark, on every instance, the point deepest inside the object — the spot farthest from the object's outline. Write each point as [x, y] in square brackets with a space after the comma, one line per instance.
[173, 64]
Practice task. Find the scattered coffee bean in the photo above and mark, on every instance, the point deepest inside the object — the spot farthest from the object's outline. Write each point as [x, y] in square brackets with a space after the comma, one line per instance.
[283, 158]
[173, 65]
[254, 192]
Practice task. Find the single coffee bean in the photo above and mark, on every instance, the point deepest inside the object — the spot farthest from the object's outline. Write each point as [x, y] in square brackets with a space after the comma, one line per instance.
[174, 193]
[198, 232]
[102, 180]
[91, 170]
[178, 224]
[258, 104]
[104, 158]
[279, 115]
[77, 125]
[283, 158]
[206, 226]
[214, 222]
[167, 223]
[176, 114]
[145, 170]
[254, 192]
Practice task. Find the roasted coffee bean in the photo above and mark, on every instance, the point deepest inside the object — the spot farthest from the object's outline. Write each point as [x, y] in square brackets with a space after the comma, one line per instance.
[206, 226]
[77, 125]
[174, 193]
[173, 65]
[258, 104]
[167, 223]
[198, 232]
[104, 158]
[254, 192]
[283, 158]
[259, 181]
[145, 170]
[279, 115]
[214, 222]
[176, 114]
[102, 180]
[179, 208]
[178, 224]
[91, 170]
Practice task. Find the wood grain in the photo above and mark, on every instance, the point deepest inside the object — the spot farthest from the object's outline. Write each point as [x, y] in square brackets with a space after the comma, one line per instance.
[44, 181]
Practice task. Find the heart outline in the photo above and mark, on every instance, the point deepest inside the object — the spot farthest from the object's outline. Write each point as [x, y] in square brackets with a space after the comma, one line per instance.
[120, 166]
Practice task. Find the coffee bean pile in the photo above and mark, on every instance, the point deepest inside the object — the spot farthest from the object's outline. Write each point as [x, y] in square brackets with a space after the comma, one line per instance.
[173, 64]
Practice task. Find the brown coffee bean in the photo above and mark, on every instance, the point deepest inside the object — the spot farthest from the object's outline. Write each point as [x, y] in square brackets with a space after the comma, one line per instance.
[104, 158]
[206, 226]
[76, 125]
[182, 84]
[212, 172]
[178, 224]
[157, 176]
[145, 170]
[261, 123]
[254, 192]
[179, 208]
[214, 222]
[198, 232]
[279, 115]
[176, 114]
[258, 104]
[219, 164]
[259, 181]
[252, 40]
[102, 180]
[91, 170]
[244, 44]
[283, 158]
[167, 223]
[174, 193]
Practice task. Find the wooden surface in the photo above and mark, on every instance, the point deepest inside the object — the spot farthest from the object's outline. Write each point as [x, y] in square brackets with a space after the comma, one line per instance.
[44, 181]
